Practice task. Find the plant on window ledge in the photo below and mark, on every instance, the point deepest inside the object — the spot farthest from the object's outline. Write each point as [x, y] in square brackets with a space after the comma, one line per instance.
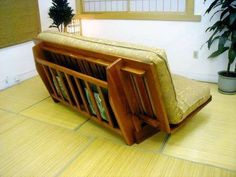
[61, 14]
[224, 31]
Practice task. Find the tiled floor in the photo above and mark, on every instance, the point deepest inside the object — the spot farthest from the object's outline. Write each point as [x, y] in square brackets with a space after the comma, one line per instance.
[41, 138]
[49, 112]
[210, 137]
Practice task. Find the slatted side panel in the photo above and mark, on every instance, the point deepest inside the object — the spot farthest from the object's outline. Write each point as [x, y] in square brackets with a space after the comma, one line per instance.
[80, 64]
[137, 91]
[79, 84]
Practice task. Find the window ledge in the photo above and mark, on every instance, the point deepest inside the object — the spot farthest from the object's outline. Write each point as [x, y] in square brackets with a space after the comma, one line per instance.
[166, 16]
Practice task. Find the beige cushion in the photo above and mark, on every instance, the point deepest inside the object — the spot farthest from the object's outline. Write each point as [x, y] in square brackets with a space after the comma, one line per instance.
[176, 111]
[190, 95]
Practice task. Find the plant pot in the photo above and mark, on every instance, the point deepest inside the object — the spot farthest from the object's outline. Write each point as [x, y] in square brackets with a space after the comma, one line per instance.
[227, 84]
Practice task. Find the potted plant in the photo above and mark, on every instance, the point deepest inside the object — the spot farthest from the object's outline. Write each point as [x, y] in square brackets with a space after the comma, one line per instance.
[61, 14]
[224, 31]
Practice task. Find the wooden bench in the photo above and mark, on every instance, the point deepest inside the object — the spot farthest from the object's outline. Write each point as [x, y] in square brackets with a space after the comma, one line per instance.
[118, 92]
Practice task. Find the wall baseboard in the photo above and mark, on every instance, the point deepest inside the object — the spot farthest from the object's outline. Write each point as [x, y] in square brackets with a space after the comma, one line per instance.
[213, 78]
[13, 80]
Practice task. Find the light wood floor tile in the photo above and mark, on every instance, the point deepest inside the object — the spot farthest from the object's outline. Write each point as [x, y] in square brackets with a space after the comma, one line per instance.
[104, 158]
[92, 129]
[210, 136]
[23, 95]
[34, 149]
[54, 113]
[153, 143]
[9, 120]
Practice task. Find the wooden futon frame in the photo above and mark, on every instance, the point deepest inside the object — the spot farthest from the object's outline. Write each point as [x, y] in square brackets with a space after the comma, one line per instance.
[119, 93]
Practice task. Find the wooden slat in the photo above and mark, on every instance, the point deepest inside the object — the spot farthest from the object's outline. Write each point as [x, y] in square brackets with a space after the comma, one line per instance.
[156, 98]
[74, 63]
[64, 87]
[73, 91]
[137, 123]
[82, 95]
[81, 67]
[104, 103]
[49, 80]
[56, 82]
[94, 70]
[62, 59]
[119, 103]
[55, 59]
[91, 95]
[144, 95]
[150, 120]
[74, 73]
[135, 71]
[78, 56]
[87, 68]
[135, 89]
[129, 92]
[101, 71]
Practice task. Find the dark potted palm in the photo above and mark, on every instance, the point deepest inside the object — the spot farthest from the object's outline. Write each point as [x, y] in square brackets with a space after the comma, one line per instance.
[61, 14]
[224, 31]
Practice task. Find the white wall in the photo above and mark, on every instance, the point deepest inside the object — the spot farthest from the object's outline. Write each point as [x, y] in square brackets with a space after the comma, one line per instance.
[16, 62]
[179, 39]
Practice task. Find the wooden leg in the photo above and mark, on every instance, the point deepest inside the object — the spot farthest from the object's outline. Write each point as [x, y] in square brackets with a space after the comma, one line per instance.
[55, 100]
[145, 133]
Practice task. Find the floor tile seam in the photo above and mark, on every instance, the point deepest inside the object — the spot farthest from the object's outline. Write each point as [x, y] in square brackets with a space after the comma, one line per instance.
[33, 104]
[18, 112]
[8, 111]
[199, 163]
[51, 124]
[80, 125]
[164, 143]
[162, 148]
[1, 133]
[79, 153]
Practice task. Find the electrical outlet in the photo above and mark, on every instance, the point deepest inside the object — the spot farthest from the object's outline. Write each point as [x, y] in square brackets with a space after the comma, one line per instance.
[195, 54]
[17, 79]
[6, 80]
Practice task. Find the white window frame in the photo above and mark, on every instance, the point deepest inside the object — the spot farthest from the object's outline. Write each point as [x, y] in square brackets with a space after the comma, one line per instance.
[187, 15]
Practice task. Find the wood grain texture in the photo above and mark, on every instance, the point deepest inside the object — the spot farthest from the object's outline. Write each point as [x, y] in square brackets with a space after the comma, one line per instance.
[36, 149]
[57, 114]
[210, 136]
[9, 120]
[25, 94]
[104, 158]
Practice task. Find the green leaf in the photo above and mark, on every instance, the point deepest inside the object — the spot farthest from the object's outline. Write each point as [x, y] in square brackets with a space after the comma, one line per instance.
[223, 39]
[232, 18]
[210, 41]
[223, 13]
[212, 6]
[216, 13]
[226, 3]
[231, 55]
[219, 25]
[233, 37]
[218, 52]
